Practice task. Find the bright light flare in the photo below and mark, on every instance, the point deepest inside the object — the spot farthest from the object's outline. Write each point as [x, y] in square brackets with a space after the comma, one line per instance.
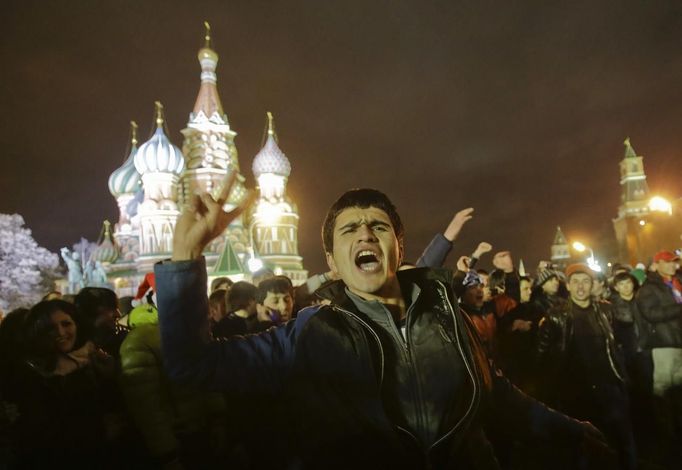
[577, 246]
[268, 213]
[660, 204]
[255, 264]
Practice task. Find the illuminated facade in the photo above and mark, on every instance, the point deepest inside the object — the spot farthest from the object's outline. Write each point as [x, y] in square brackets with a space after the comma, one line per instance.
[644, 224]
[274, 219]
[157, 179]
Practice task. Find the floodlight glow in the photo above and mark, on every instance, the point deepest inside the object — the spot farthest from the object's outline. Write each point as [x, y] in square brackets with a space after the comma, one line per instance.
[268, 213]
[659, 204]
[577, 246]
[642, 223]
[254, 264]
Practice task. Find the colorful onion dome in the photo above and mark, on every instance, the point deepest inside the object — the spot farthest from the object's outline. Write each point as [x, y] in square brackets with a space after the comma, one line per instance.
[125, 179]
[271, 159]
[158, 154]
[106, 251]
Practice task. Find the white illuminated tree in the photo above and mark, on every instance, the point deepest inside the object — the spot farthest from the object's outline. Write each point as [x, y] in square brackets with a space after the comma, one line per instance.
[27, 270]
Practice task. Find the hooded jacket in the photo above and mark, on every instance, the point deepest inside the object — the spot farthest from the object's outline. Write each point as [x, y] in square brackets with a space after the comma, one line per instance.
[330, 366]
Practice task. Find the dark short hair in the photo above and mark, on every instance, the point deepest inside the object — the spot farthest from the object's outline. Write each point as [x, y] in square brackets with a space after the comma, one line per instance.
[240, 295]
[221, 280]
[362, 198]
[38, 325]
[483, 272]
[622, 276]
[525, 278]
[89, 303]
[276, 285]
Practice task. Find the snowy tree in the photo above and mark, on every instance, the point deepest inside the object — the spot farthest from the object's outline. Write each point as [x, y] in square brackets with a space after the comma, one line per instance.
[27, 271]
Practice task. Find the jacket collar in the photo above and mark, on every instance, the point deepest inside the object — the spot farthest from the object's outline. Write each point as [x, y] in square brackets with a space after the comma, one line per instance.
[335, 291]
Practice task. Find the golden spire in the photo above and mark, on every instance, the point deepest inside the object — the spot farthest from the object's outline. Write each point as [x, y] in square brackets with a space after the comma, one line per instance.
[271, 124]
[159, 113]
[629, 151]
[207, 36]
[133, 132]
[107, 229]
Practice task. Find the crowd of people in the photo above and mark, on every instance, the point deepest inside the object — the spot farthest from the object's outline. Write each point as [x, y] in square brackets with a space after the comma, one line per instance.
[370, 365]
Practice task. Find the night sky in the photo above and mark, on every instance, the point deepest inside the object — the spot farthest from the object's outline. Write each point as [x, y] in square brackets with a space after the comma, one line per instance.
[517, 110]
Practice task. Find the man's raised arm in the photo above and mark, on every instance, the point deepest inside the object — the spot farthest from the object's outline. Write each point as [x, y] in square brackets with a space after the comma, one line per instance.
[257, 362]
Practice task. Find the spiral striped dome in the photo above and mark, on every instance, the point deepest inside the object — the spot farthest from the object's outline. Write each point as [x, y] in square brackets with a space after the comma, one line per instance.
[159, 155]
[125, 179]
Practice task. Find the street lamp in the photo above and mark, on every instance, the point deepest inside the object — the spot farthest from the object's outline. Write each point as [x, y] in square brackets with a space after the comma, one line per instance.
[591, 260]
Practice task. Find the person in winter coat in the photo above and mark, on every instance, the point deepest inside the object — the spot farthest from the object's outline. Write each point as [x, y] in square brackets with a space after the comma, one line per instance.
[660, 329]
[63, 394]
[577, 348]
[390, 374]
[178, 424]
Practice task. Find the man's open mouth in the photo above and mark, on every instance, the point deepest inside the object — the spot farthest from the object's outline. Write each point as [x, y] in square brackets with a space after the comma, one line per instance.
[368, 261]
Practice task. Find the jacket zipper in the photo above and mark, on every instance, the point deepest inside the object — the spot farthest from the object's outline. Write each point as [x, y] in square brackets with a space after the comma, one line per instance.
[381, 352]
[376, 337]
[468, 367]
[607, 336]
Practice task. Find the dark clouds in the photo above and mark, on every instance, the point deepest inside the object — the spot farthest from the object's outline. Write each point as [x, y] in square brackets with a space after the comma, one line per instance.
[517, 110]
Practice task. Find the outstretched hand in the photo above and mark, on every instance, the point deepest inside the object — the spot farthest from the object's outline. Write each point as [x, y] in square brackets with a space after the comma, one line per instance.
[204, 219]
[457, 222]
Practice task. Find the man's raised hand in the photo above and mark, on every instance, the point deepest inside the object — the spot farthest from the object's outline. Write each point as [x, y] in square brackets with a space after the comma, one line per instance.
[457, 222]
[204, 219]
[481, 249]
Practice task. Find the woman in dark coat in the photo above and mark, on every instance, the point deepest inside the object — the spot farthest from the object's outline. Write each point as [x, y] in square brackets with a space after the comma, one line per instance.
[62, 396]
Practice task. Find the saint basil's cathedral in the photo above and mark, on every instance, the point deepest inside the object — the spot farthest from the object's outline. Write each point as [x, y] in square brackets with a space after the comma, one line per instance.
[157, 179]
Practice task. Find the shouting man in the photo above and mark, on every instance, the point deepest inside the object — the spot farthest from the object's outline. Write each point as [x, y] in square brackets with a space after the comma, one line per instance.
[390, 374]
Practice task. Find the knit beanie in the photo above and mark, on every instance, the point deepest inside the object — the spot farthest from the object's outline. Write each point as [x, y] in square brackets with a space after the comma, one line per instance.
[544, 276]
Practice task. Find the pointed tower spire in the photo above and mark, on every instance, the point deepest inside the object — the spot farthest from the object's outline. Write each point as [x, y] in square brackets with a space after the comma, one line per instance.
[629, 151]
[208, 105]
[560, 252]
[634, 188]
[559, 238]
[158, 113]
[207, 36]
[133, 133]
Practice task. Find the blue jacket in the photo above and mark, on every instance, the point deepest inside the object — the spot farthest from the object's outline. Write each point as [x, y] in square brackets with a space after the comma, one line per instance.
[327, 366]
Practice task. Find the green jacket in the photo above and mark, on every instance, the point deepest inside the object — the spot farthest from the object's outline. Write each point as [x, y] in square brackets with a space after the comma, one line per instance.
[162, 410]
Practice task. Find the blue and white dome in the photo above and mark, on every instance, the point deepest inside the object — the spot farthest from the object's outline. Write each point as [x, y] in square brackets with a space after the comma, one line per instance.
[125, 179]
[158, 154]
[271, 159]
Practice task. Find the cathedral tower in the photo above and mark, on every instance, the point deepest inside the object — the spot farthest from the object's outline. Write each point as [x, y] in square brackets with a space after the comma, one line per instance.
[274, 226]
[209, 150]
[160, 163]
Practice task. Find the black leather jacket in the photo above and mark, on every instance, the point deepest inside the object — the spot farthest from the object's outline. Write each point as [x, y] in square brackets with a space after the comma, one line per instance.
[330, 365]
[556, 336]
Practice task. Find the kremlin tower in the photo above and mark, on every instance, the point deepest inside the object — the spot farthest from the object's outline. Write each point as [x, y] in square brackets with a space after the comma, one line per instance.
[561, 254]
